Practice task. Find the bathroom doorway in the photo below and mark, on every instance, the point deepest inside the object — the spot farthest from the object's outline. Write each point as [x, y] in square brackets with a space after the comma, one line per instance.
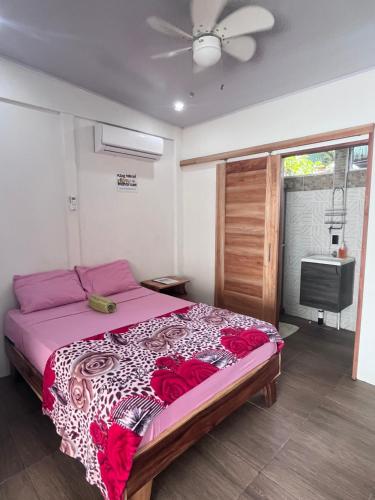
[322, 235]
[338, 140]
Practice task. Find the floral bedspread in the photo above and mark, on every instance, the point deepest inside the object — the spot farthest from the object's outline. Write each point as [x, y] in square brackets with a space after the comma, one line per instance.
[102, 392]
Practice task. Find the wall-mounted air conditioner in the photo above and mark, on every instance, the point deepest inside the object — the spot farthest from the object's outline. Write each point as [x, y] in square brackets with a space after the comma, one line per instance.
[123, 142]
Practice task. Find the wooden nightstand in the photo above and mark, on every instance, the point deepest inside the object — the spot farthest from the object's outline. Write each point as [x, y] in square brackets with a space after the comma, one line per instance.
[176, 289]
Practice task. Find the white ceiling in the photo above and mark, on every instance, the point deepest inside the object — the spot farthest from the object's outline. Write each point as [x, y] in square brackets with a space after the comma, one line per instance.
[106, 47]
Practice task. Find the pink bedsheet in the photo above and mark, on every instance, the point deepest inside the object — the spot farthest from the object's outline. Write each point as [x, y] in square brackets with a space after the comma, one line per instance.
[37, 335]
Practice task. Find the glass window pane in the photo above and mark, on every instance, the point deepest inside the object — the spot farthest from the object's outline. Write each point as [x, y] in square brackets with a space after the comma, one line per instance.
[310, 164]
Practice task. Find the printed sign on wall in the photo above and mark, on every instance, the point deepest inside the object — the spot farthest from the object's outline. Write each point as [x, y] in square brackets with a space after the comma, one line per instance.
[126, 182]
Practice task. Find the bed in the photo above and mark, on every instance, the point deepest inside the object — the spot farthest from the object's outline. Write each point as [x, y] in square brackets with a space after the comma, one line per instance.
[29, 344]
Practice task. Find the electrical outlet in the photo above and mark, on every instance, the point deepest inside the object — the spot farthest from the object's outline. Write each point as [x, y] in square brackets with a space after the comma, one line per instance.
[335, 239]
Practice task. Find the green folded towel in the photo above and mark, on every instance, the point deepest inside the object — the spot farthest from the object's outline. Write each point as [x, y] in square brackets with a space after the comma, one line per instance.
[102, 304]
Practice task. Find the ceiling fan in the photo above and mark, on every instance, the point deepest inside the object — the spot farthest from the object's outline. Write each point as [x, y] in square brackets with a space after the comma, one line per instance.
[209, 37]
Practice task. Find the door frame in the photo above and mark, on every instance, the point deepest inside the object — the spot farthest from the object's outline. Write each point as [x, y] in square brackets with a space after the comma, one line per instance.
[298, 144]
[220, 231]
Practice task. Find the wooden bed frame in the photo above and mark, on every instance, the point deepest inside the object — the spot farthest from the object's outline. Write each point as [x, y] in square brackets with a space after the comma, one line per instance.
[159, 453]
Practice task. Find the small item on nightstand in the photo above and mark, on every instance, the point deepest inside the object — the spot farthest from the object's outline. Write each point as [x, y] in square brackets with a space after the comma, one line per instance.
[166, 281]
[343, 251]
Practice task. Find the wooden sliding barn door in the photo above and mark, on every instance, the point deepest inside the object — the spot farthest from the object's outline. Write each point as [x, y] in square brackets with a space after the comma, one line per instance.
[247, 237]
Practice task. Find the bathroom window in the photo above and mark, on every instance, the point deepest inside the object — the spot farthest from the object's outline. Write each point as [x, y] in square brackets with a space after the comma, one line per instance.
[323, 162]
[310, 164]
[359, 155]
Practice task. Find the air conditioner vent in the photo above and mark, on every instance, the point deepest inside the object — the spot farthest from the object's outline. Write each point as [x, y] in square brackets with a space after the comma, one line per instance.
[123, 142]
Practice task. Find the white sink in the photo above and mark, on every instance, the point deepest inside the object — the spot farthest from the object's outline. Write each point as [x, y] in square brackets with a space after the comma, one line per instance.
[327, 259]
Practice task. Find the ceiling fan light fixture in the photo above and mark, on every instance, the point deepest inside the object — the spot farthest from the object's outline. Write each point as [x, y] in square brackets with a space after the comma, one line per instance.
[207, 50]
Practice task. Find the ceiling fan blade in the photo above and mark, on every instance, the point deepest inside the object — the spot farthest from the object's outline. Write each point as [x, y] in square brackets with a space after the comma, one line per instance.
[171, 53]
[204, 14]
[167, 28]
[241, 47]
[248, 19]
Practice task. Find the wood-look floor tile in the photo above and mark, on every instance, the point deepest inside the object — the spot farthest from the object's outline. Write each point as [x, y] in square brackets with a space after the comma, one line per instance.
[208, 470]
[337, 428]
[302, 382]
[316, 473]
[262, 488]
[34, 437]
[253, 434]
[10, 461]
[357, 398]
[334, 419]
[59, 477]
[292, 403]
[288, 354]
[18, 400]
[18, 487]
[318, 368]
[322, 340]
[351, 457]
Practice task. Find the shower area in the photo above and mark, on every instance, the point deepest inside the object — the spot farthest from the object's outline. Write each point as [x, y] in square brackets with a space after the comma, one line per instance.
[324, 195]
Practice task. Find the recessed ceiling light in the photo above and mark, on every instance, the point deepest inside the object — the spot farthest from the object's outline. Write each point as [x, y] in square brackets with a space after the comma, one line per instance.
[179, 106]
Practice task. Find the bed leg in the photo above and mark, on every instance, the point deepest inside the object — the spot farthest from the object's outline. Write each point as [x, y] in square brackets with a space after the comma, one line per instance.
[143, 494]
[270, 393]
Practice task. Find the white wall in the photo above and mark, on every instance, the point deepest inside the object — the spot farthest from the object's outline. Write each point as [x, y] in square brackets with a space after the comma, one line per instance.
[22, 84]
[339, 104]
[46, 151]
[114, 224]
[32, 195]
[198, 230]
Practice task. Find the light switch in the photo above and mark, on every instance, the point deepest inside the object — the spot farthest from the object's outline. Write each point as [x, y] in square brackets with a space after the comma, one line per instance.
[73, 203]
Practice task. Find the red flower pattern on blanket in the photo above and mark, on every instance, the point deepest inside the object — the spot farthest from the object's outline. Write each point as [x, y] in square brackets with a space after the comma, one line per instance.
[48, 381]
[103, 392]
[241, 341]
[181, 376]
[116, 448]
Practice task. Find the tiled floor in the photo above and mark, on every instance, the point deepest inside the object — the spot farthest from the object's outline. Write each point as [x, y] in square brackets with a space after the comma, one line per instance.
[317, 442]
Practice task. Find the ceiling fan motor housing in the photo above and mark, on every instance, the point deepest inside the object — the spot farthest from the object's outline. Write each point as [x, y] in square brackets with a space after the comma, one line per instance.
[207, 50]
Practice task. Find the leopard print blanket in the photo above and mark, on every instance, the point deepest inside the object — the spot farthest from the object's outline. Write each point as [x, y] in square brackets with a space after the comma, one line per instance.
[102, 392]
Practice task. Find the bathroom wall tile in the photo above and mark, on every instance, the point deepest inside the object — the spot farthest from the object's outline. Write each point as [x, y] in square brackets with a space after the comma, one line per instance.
[306, 234]
[330, 319]
[318, 211]
[361, 201]
[348, 318]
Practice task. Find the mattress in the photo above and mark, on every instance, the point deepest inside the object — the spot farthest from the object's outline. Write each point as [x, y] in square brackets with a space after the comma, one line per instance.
[37, 335]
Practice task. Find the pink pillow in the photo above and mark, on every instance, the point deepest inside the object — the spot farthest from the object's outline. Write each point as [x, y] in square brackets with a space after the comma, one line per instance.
[45, 290]
[107, 279]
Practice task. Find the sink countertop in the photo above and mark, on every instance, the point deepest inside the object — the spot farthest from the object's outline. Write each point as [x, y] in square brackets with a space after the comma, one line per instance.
[328, 259]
